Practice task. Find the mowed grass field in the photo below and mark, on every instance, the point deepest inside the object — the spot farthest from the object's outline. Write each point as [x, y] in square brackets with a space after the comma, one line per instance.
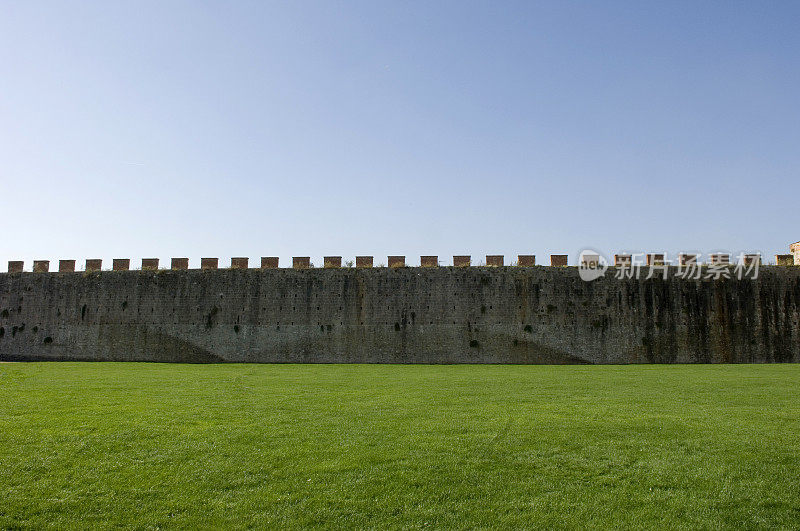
[160, 445]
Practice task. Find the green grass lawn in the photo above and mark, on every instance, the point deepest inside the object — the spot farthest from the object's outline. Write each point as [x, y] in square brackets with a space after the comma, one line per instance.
[159, 445]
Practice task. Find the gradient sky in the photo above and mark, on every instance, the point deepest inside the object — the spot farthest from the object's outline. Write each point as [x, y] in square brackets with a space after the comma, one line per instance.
[138, 129]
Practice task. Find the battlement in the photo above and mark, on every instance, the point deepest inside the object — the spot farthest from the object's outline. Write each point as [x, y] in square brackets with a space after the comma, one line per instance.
[272, 262]
[395, 261]
[269, 262]
[330, 262]
[239, 263]
[428, 261]
[494, 260]
[623, 260]
[526, 260]
[795, 250]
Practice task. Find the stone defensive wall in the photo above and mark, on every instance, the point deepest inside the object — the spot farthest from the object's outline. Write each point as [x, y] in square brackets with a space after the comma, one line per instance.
[463, 313]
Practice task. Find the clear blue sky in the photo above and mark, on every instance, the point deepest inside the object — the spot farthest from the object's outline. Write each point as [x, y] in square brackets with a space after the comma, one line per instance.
[131, 129]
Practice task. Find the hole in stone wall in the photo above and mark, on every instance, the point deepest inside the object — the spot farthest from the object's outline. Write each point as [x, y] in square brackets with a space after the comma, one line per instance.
[474, 343]
[48, 340]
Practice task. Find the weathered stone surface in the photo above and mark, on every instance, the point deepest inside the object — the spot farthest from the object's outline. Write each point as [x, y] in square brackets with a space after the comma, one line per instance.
[558, 260]
[209, 263]
[780, 259]
[66, 266]
[93, 264]
[398, 315]
[41, 266]
[397, 261]
[16, 266]
[121, 264]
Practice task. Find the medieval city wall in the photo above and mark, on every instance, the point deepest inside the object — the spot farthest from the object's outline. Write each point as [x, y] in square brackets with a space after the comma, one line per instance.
[397, 315]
